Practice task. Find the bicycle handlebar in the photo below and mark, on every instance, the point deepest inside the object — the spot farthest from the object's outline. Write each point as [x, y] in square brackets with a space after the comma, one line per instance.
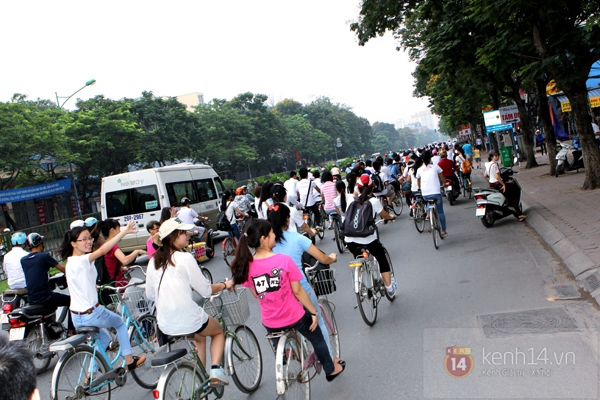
[120, 288]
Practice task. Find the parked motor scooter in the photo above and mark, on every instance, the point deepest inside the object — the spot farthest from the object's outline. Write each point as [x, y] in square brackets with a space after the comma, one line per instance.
[562, 164]
[492, 204]
[39, 327]
[452, 191]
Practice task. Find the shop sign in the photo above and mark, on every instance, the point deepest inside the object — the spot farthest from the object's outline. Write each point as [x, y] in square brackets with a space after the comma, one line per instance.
[509, 114]
[595, 101]
[565, 106]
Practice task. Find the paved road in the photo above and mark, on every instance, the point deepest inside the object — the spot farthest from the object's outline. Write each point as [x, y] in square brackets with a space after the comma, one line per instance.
[452, 297]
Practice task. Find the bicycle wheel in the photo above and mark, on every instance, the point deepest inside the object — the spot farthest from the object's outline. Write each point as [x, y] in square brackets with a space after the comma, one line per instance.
[34, 342]
[332, 330]
[71, 371]
[419, 215]
[297, 384]
[398, 204]
[245, 358]
[321, 228]
[144, 342]
[311, 225]
[367, 301]
[182, 382]
[228, 249]
[207, 274]
[339, 241]
[392, 275]
[435, 227]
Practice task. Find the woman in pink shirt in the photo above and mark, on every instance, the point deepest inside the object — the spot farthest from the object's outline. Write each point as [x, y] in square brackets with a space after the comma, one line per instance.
[274, 279]
[328, 194]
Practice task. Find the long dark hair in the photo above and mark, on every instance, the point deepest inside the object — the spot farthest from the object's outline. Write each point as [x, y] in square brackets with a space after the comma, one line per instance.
[251, 238]
[65, 249]
[365, 192]
[278, 216]
[418, 164]
[164, 254]
[426, 157]
[165, 214]
[265, 193]
[351, 178]
[224, 197]
[340, 186]
[107, 225]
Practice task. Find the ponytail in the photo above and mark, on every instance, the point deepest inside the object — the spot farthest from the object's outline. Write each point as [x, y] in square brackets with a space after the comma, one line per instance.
[278, 215]
[365, 192]
[65, 249]
[240, 265]
[340, 186]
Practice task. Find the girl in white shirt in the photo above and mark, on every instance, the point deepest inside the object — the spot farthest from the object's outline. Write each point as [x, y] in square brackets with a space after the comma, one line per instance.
[81, 275]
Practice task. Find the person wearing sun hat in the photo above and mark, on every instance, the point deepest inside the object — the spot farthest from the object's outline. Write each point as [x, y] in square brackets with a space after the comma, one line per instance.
[172, 277]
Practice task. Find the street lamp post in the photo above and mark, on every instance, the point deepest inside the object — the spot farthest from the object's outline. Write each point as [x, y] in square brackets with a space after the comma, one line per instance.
[60, 106]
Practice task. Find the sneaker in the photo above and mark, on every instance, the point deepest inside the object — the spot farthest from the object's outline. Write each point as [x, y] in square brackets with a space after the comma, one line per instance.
[392, 290]
[217, 377]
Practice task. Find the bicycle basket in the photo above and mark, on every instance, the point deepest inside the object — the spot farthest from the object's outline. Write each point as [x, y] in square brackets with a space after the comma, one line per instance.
[323, 281]
[135, 300]
[235, 306]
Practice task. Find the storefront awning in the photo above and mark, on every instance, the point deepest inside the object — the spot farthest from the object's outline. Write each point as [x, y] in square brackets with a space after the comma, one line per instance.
[593, 95]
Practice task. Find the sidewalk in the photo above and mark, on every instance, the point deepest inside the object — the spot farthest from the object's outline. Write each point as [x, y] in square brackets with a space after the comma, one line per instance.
[566, 217]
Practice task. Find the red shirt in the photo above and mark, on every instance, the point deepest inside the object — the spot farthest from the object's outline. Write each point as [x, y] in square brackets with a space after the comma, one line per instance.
[447, 167]
[112, 263]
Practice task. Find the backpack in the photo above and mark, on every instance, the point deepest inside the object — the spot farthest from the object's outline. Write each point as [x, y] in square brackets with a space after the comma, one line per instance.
[223, 223]
[359, 220]
[378, 185]
[104, 278]
[465, 167]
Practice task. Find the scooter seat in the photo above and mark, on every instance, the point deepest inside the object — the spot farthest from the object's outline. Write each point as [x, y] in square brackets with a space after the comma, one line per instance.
[88, 329]
[33, 310]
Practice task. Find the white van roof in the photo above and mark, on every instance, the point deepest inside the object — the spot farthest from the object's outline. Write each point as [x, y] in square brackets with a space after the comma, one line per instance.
[174, 167]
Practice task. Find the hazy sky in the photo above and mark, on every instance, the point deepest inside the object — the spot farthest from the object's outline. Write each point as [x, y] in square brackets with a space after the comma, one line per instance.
[284, 49]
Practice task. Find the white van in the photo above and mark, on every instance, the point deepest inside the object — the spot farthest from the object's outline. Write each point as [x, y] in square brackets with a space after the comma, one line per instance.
[141, 195]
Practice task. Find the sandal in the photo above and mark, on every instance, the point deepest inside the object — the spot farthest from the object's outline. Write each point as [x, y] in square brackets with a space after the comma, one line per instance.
[137, 361]
[333, 376]
[522, 218]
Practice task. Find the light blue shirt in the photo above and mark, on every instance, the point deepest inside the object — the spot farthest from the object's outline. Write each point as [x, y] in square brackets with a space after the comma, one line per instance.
[294, 245]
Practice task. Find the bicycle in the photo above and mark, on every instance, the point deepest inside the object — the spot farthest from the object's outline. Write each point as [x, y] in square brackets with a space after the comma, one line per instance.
[435, 224]
[398, 203]
[307, 217]
[368, 283]
[337, 232]
[324, 217]
[323, 283]
[86, 369]
[185, 379]
[467, 186]
[198, 250]
[230, 242]
[419, 212]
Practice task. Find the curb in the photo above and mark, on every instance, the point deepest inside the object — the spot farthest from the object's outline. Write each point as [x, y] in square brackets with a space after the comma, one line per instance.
[583, 269]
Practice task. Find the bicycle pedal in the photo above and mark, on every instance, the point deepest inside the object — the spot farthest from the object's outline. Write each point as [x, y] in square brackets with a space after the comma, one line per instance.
[215, 383]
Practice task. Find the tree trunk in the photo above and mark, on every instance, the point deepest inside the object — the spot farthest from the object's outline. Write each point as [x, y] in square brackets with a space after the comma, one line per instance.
[526, 130]
[544, 112]
[578, 97]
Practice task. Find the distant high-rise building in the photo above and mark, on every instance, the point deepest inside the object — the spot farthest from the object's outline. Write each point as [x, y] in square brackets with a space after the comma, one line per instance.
[425, 118]
[190, 100]
[400, 124]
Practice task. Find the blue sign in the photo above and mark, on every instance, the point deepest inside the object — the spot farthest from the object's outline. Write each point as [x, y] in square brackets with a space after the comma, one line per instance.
[34, 192]
[498, 128]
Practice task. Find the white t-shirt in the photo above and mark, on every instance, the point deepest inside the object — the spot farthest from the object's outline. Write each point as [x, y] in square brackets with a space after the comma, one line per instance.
[492, 170]
[315, 193]
[296, 220]
[230, 212]
[13, 268]
[187, 215]
[302, 187]
[377, 208]
[435, 159]
[263, 210]
[430, 180]
[290, 187]
[338, 203]
[384, 178]
[414, 185]
[596, 129]
[176, 311]
[81, 275]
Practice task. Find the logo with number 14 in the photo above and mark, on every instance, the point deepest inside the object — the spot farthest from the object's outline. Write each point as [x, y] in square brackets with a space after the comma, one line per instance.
[458, 361]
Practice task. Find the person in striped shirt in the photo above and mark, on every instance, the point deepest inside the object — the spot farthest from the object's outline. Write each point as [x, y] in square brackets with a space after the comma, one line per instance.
[328, 194]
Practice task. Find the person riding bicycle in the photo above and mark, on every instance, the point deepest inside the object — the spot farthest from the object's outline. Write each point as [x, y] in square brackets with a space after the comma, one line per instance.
[274, 279]
[294, 245]
[228, 206]
[328, 194]
[306, 188]
[173, 278]
[241, 201]
[81, 274]
[279, 195]
[429, 178]
[448, 168]
[388, 190]
[371, 242]
[464, 162]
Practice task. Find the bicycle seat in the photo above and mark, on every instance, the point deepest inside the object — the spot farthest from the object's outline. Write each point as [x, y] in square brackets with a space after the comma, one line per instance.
[88, 329]
[431, 201]
[275, 334]
[168, 358]
[68, 343]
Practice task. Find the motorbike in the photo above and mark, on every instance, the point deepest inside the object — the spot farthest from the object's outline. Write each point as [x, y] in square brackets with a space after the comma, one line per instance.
[207, 250]
[11, 300]
[451, 190]
[39, 327]
[562, 164]
[492, 204]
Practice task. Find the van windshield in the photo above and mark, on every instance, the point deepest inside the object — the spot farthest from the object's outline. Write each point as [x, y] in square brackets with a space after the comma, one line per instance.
[132, 201]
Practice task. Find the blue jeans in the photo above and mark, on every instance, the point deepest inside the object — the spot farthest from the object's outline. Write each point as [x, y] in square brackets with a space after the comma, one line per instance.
[315, 338]
[440, 208]
[236, 231]
[103, 318]
[313, 298]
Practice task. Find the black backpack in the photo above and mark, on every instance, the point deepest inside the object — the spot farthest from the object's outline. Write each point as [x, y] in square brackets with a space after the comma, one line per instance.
[359, 220]
[378, 185]
[223, 223]
[104, 278]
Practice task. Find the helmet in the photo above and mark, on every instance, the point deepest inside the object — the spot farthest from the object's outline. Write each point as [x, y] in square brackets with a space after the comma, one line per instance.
[91, 221]
[244, 187]
[18, 238]
[238, 191]
[364, 181]
[185, 201]
[34, 239]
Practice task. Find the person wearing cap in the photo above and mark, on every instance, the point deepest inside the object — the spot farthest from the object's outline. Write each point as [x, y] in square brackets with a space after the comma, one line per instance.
[81, 273]
[95, 229]
[36, 267]
[429, 179]
[540, 140]
[187, 215]
[355, 244]
[12, 263]
[172, 278]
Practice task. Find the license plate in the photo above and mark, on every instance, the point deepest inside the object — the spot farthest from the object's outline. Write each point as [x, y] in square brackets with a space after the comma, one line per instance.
[16, 333]
[480, 212]
[449, 187]
[355, 264]
[3, 318]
